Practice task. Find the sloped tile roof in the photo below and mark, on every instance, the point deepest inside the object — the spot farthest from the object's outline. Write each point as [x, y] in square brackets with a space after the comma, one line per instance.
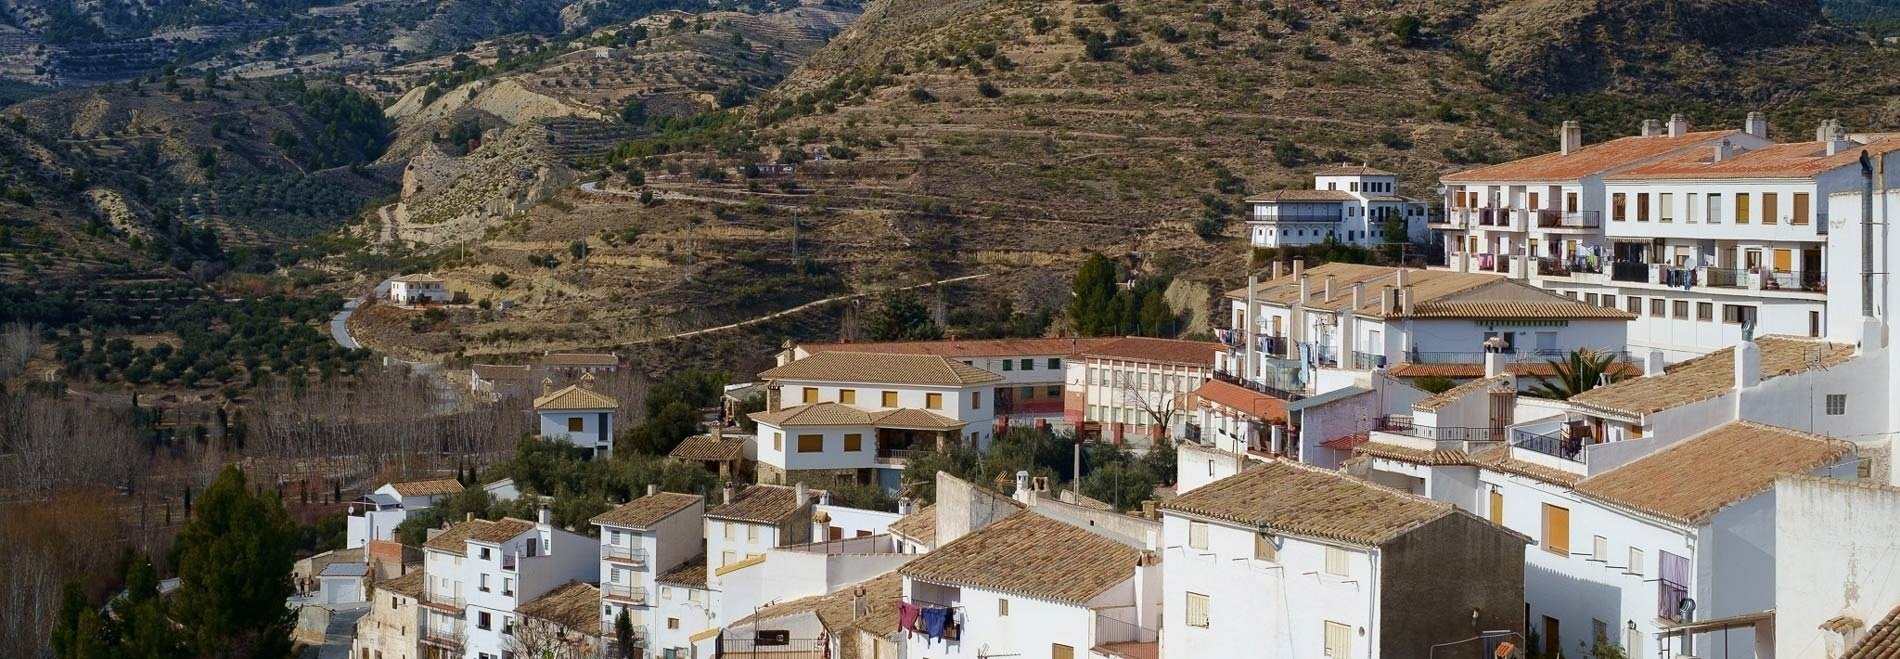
[501, 530]
[1794, 160]
[575, 397]
[1476, 370]
[915, 419]
[1162, 351]
[1302, 195]
[1562, 309]
[1029, 555]
[1695, 478]
[1592, 159]
[966, 349]
[428, 487]
[409, 585]
[1458, 393]
[837, 611]
[1440, 457]
[1243, 400]
[1353, 170]
[1881, 642]
[707, 447]
[920, 526]
[1498, 458]
[1710, 375]
[815, 414]
[1303, 500]
[692, 573]
[882, 368]
[579, 359]
[648, 510]
[454, 539]
[767, 504]
[573, 605]
[417, 279]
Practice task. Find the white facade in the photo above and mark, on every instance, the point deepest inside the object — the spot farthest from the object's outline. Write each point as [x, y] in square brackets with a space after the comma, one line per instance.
[1282, 606]
[1029, 627]
[1349, 205]
[1834, 545]
[586, 428]
[631, 560]
[470, 599]
[376, 515]
[1125, 398]
[417, 289]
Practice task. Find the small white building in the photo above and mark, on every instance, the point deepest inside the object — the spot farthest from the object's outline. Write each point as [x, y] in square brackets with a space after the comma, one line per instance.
[418, 289]
[688, 613]
[753, 520]
[860, 621]
[1130, 390]
[1287, 560]
[480, 571]
[640, 540]
[1794, 382]
[343, 583]
[498, 382]
[1032, 369]
[1348, 204]
[376, 515]
[578, 415]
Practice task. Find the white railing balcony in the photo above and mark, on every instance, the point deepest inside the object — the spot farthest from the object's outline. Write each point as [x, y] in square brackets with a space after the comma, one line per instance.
[624, 593]
[634, 556]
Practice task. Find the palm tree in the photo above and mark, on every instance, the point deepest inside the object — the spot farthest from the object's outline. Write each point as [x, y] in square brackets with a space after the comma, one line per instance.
[1582, 371]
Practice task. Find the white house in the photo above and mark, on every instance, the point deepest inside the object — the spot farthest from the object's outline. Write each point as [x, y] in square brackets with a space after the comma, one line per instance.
[1287, 560]
[639, 540]
[860, 621]
[1833, 543]
[376, 515]
[1033, 587]
[498, 382]
[688, 611]
[578, 415]
[1130, 389]
[753, 520]
[1794, 382]
[561, 623]
[418, 289]
[479, 571]
[1348, 204]
[1032, 369]
[855, 416]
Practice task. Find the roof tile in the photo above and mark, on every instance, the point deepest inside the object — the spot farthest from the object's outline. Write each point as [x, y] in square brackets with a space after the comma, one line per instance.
[1164, 351]
[966, 349]
[920, 526]
[573, 605]
[708, 447]
[1303, 500]
[1243, 400]
[1695, 478]
[1710, 375]
[1881, 642]
[1030, 555]
[1795, 160]
[1591, 160]
[427, 488]
[769, 504]
[576, 397]
[882, 368]
[648, 510]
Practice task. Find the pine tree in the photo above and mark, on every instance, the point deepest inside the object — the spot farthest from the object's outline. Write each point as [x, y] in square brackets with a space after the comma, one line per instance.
[234, 562]
[901, 317]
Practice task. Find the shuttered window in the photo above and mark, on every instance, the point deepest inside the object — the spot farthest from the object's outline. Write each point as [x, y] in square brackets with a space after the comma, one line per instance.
[1197, 610]
[848, 396]
[1636, 562]
[1600, 548]
[811, 443]
[1263, 549]
[854, 442]
[1497, 508]
[1060, 651]
[933, 401]
[1770, 208]
[1197, 535]
[890, 399]
[1742, 215]
[1556, 530]
[576, 424]
[811, 395]
[1801, 208]
[1338, 640]
[1337, 562]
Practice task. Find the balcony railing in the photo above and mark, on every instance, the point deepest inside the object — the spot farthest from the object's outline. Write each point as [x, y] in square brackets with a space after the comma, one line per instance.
[611, 648]
[1494, 217]
[1555, 219]
[624, 593]
[449, 635]
[1303, 216]
[1635, 271]
[1365, 361]
[1550, 445]
[1516, 354]
[1815, 282]
[1275, 392]
[1727, 277]
[634, 556]
[1403, 425]
[443, 601]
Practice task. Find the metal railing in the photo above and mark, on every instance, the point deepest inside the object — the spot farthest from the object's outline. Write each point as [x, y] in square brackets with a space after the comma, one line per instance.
[438, 600]
[1815, 282]
[1276, 392]
[1513, 354]
[1365, 361]
[1726, 277]
[443, 634]
[631, 555]
[1402, 425]
[1554, 219]
[1635, 271]
[1551, 445]
[735, 645]
[624, 593]
[1307, 216]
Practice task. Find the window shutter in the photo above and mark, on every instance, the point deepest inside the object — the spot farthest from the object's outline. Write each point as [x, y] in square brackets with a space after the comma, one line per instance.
[1197, 535]
[1197, 610]
[1337, 562]
[1338, 640]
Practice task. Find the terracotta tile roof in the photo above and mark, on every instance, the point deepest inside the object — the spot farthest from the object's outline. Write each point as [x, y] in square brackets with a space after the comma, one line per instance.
[815, 414]
[1029, 555]
[573, 605]
[1498, 458]
[579, 359]
[1130, 650]
[1346, 443]
[1353, 170]
[1710, 375]
[1475, 370]
[1795, 160]
[495, 373]
[1301, 195]
[1241, 399]
[1695, 478]
[836, 611]
[707, 447]
[1842, 624]
[409, 585]
[1164, 351]
[914, 419]
[417, 279]
[768, 504]
[1457, 393]
[1442, 457]
[1881, 642]
[501, 530]
[692, 573]
[919, 526]
[1562, 308]
[1302, 500]
[648, 510]
[427, 488]
[966, 349]
[454, 539]
[1591, 160]
[574, 397]
[882, 368]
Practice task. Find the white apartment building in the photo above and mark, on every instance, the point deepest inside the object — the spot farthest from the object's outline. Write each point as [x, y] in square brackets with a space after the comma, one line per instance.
[1030, 392]
[1130, 389]
[418, 289]
[578, 415]
[1288, 560]
[1033, 587]
[639, 540]
[856, 416]
[1348, 204]
[376, 515]
[479, 571]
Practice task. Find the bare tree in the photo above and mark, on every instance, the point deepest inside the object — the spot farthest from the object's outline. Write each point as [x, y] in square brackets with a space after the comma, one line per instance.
[1158, 402]
[545, 639]
[18, 342]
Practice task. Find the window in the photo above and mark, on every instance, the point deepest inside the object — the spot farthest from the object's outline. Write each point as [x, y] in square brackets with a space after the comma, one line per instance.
[811, 395]
[1029, 364]
[484, 553]
[613, 537]
[1556, 530]
[1002, 607]
[483, 584]
[1570, 202]
[1055, 390]
[482, 620]
[576, 424]
[890, 399]
[1609, 301]
[1496, 511]
[1599, 548]
[395, 602]
[1634, 305]
[1336, 562]
[728, 558]
[1590, 298]
[1681, 310]
[1338, 640]
[1738, 314]
[976, 400]
[732, 530]
[778, 441]
[1009, 365]
[1197, 535]
[1055, 363]
[1197, 610]
[1741, 208]
[1636, 562]
[1801, 205]
[1619, 209]
[1770, 208]
[848, 396]
[1705, 311]
[1836, 404]
[1666, 207]
[666, 592]
[1060, 651]
[1658, 307]
[1028, 393]
[672, 623]
[853, 442]
[933, 401]
[751, 533]
[1715, 208]
[1263, 549]
[811, 443]
[507, 585]
[1642, 207]
[507, 626]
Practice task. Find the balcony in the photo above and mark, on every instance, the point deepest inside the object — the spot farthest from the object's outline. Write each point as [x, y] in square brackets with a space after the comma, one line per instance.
[1554, 219]
[635, 595]
[1631, 271]
[442, 601]
[633, 556]
[1726, 277]
[611, 646]
[1365, 361]
[1303, 216]
[1495, 217]
[1398, 424]
[1551, 445]
[1812, 282]
[1275, 392]
[444, 635]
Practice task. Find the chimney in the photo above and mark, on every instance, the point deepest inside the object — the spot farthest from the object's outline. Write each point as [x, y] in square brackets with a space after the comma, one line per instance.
[547, 386]
[1306, 288]
[801, 494]
[719, 431]
[1400, 278]
[1678, 125]
[1723, 150]
[821, 526]
[1825, 131]
[1147, 508]
[1493, 363]
[1405, 301]
[824, 497]
[1653, 364]
[1652, 128]
[1837, 141]
[1299, 267]
[468, 517]
[1275, 270]
[858, 610]
[1358, 295]
[771, 397]
[905, 506]
[543, 516]
[726, 494]
[1747, 365]
[1329, 288]
[1385, 300]
[653, 488]
[1022, 481]
[1756, 125]
[1570, 137]
[587, 381]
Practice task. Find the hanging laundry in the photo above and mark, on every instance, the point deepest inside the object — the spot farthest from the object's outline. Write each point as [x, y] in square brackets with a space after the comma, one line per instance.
[907, 616]
[934, 620]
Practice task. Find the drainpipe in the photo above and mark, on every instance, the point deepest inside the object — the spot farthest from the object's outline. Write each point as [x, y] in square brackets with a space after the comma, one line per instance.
[1866, 235]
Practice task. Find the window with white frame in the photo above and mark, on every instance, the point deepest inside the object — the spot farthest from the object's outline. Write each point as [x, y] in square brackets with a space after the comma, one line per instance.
[1599, 548]
[1197, 535]
[1636, 562]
